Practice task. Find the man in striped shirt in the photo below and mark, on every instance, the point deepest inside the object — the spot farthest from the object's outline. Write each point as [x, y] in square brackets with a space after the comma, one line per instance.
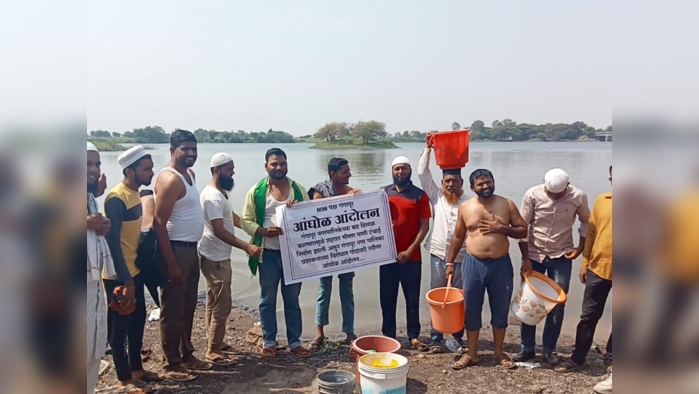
[550, 210]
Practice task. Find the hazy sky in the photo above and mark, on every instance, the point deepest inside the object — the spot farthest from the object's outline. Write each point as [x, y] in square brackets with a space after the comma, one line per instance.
[295, 65]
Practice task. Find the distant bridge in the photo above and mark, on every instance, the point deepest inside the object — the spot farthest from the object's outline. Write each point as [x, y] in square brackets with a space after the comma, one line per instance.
[604, 137]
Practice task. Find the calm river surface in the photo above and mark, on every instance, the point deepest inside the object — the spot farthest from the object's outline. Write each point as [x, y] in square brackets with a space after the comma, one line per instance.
[516, 166]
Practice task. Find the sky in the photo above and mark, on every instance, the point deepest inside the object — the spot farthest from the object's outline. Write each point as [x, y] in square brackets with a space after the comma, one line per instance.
[296, 65]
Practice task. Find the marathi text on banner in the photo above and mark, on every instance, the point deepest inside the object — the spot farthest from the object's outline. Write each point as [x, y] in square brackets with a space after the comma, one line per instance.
[336, 235]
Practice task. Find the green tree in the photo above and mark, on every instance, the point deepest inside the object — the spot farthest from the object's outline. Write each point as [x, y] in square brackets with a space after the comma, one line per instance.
[100, 134]
[151, 135]
[201, 134]
[369, 131]
[333, 131]
[116, 134]
[455, 126]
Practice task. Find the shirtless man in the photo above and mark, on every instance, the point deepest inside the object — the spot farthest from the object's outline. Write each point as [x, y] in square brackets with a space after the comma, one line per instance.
[489, 220]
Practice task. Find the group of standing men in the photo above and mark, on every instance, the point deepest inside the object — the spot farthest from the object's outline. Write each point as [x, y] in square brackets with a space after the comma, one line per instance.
[195, 233]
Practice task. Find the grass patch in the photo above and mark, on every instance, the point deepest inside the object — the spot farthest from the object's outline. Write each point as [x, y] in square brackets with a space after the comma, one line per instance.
[330, 347]
[114, 144]
[107, 144]
[355, 143]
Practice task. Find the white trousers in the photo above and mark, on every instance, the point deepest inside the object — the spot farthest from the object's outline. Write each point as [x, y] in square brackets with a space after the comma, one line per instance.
[93, 371]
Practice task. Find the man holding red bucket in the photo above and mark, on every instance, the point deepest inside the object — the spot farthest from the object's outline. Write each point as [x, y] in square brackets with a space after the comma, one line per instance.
[445, 207]
[550, 210]
[489, 221]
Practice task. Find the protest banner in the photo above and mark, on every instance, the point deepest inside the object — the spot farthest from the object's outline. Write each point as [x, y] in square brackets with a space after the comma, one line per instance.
[333, 236]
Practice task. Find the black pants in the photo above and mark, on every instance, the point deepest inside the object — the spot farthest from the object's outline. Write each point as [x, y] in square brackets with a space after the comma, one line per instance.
[126, 332]
[409, 276]
[594, 301]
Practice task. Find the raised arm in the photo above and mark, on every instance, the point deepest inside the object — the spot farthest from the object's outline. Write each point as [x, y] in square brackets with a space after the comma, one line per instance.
[167, 190]
[425, 176]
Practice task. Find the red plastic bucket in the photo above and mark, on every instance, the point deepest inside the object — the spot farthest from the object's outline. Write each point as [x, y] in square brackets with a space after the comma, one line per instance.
[379, 344]
[451, 148]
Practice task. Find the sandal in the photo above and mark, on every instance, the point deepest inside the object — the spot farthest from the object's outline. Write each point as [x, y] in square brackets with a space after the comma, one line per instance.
[568, 366]
[302, 352]
[463, 346]
[269, 352]
[317, 343]
[180, 377]
[465, 362]
[507, 363]
[228, 350]
[419, 346]
[198, 365]
[222, 361]
[437, 348]
[151, 377]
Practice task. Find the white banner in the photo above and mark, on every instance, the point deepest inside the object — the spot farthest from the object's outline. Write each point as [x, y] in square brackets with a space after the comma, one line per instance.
[333, 236]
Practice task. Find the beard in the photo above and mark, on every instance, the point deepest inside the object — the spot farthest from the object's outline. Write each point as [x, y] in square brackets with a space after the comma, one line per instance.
[277, 175]
[187, 162]
[93, 188]
[452, 198]
[486, 193]
[402, 182]
[226, 184]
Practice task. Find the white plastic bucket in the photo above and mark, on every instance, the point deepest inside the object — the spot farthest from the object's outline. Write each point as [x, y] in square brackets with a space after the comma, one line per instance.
[539, 295]
[384, 380]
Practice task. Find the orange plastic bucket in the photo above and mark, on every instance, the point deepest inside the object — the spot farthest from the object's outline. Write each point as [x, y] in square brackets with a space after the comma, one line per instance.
[451, 148]
[447, 319]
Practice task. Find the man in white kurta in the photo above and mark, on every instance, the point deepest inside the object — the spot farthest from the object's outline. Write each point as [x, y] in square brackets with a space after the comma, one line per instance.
[98, 259]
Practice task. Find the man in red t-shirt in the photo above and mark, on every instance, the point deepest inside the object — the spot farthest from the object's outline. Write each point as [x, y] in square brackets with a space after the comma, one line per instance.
[410, 213]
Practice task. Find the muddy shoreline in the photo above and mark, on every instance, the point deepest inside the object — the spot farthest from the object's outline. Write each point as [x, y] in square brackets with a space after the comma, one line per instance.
[429, 373]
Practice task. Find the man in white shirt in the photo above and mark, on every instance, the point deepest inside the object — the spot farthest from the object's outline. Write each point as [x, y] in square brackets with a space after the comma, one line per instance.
[445, 206]
[215, 250]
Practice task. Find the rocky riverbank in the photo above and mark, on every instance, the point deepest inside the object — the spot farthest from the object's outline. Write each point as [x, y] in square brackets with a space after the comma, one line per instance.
[429, 373]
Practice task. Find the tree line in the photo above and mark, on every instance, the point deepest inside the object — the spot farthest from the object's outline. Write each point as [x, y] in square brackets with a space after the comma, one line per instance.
[366, 132]
[506, 130]
[156, 135]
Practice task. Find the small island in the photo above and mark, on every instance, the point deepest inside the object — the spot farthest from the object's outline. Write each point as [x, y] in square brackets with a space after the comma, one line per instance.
[361, 135]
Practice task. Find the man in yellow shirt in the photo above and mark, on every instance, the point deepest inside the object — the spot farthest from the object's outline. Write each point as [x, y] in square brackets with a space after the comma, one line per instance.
[596, 274]
[123, 208]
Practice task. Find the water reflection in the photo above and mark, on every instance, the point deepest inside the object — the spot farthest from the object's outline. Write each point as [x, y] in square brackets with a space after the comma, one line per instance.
[368, 167]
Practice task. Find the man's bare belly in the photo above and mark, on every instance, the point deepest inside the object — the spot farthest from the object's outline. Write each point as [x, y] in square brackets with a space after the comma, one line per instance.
[491, 246]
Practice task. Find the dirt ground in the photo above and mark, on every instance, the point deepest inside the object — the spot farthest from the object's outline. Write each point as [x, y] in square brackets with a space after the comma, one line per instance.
[429, 373]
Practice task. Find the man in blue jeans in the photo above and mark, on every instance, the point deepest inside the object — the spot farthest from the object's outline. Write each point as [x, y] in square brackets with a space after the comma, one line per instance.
[445, 201]
[550, 210]
[259, 220]
[338, 185]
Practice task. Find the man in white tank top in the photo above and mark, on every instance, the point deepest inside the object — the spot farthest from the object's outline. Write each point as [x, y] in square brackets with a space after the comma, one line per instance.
[179, 225]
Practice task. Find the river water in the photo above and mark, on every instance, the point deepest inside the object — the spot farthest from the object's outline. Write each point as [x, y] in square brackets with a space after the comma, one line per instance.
[516, 166]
